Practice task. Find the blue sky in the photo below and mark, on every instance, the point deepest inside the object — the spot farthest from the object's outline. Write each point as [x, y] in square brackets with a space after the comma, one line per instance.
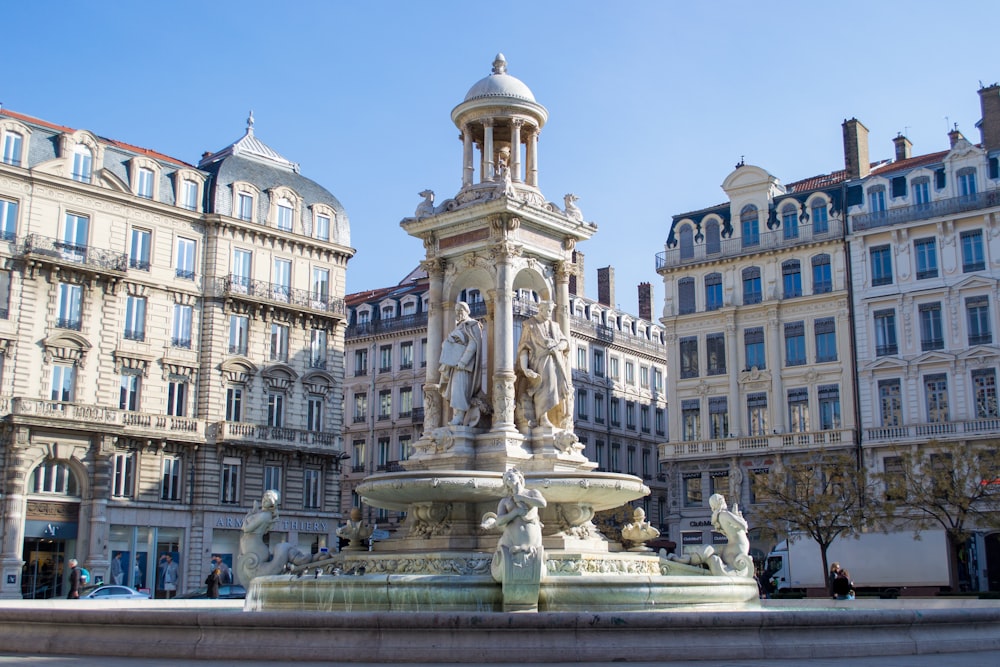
[651, 104]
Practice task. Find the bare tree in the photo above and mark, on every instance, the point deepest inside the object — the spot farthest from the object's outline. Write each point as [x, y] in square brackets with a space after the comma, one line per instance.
[955, 486]
[821, 495]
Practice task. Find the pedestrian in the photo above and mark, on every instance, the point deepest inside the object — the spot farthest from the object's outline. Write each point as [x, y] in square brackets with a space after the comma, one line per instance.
[213, 580]
[75, 577]
[843, 587]
[225, 573]
[117, 573]
[834, 571]
[168, 575]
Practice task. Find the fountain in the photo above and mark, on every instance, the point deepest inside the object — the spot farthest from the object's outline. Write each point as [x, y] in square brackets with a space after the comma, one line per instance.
[498, 494]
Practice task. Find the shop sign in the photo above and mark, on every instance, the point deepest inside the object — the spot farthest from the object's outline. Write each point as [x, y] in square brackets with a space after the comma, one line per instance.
[303, 525]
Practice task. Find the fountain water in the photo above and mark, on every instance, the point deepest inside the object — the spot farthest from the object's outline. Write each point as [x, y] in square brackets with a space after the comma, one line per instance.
[493, 404]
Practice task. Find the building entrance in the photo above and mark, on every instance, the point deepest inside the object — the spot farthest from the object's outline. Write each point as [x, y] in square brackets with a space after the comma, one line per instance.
[44, 564]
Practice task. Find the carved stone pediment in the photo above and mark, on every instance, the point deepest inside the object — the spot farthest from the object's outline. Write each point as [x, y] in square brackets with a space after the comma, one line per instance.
[66, 346]
[238, 370]
[279, 377]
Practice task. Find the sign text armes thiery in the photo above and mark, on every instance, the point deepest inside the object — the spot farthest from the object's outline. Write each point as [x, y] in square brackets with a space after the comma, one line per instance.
[281, 524]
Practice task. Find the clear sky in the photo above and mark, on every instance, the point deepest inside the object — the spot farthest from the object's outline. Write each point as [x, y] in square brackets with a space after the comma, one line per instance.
[651, 103]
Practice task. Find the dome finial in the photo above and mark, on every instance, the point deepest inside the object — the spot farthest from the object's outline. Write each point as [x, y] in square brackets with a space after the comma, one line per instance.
[499, 64]
[250, 122]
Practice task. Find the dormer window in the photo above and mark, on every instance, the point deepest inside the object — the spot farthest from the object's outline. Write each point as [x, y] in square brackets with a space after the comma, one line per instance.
[189, 195]
[388, 312]
[966, 182]
[750, 224]
[323, 227]
[13, 144]
[144, 185]
[285, 211]
[244, 207]
[83, 161]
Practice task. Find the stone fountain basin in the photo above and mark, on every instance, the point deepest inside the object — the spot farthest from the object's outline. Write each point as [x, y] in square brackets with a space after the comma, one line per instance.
[398, 490]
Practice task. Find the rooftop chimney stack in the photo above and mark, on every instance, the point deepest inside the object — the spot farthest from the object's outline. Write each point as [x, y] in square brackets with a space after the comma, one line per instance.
[954, 136]
[606, 286]
[903, 147]
[646, 301]
[576, 276]
[989, 126]
[856, 160]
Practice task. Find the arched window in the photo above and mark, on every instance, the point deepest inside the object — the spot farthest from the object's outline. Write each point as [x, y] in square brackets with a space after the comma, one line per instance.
[83, 163]
[54, 478]
[820, 217]
[687, 242]
[790, 221]
[713, 241]
[750, 223]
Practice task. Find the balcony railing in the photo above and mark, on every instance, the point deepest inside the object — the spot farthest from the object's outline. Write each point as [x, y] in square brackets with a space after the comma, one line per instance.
[737, 247]
[934, 209]
[272, 435]
[240, 287]
[139, 424]
[950, 430]
[697, 449]
[418, 320]
[41, 247]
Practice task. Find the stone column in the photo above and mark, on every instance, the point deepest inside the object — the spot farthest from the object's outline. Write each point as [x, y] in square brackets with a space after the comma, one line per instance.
[776, 407]
[503, 338]
[733, 350]
[515, 149]
[531, 177]
[468, 169]
[435, 336]
[488, 165]
[14, 515]
[96, 508]
[563, 269]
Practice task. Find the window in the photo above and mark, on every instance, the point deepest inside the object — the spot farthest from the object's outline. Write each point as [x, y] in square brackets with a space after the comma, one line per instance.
[936, 395]
[630, 415]
[385, 358]
[63, 381]
[360, 407]
[885, 332]
[189, 195]
[74, 239]
[753, 344]
[581, 358]
[55, 478]
[881, 265]
[69, 306]
[184, 267]
[644, 418]
[581, 404]
[276, 409]
[713, 238]
[660, 417]
[4, 298]
[234, 404]
[795, 344]
[128, 394]
[752, 292]
[713, 291]
[282, 280]
[244, 207]
[144, 185]
[284, 221]
[926, 253]
[272, 478]
[314, 414]
[977, 309]
[685, 296]
[691, 419]
[719, 479]
[822, 276]
[360, 362]
[657, 380]
[820, 219]
[8, 219]
[973, 258]
[241, 270]
[931, 328]
[921, 191]
[614, 405]
[644, 376]
[984, 385]
[13, 143]
[876, 199]
[181, 336]
[123, 481]
[385, 404]
[177, 392]
[826, 339]
[791, 272]
[321, 286]
[317, 348]
[966, 182]
[798, 410]
[613, 367]
[891, 402]
[829, 406]
[138, 257]
[279, 342]
[359, 457]
[757, 413]
[599, 363]
[83, 161]
[692, 489]
[790, 221]
[715, 348]
[718, 417]
[135, 318]
[323, 227]
[230, 481]
[170, 484]
[749, 223]
[404, 447]
[630, 372]
[630, 460]
[311, 488]
[239, 334]
[599, 408]
[405, 401]
[689, 357]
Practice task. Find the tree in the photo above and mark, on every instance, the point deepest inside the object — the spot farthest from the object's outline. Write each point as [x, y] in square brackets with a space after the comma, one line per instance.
[956, 486]
[820, 494]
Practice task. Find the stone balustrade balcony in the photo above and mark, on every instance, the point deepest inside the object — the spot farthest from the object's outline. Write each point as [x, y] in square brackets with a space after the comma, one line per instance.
[763, 444]
[271, 294]
[88, 417]
[260, 435]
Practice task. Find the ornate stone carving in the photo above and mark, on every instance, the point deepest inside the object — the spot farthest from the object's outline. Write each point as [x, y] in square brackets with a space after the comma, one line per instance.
[430, 519]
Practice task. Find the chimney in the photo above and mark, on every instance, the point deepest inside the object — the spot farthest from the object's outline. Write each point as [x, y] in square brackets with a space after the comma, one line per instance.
[954, 136]
[903, 147]
[989, 126]
[856, 160]
[576, 275]
[606, 286]
[646, 301]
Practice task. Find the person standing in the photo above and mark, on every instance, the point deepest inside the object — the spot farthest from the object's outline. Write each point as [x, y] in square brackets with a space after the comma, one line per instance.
[225, 574]
[213, 581]
[75, 579]
[117, 574]
[168, 575]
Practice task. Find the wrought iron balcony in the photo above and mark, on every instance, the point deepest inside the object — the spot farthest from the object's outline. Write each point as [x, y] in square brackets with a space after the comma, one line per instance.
[273, 436]
[238, 287]
[415, 321]
[934, 209]
[42, 249]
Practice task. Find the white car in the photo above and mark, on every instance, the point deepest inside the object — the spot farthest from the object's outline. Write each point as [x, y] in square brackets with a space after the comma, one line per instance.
[111, 592]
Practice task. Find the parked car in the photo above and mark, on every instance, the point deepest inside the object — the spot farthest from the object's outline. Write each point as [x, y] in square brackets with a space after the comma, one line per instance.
[112, 592]
[226, 592]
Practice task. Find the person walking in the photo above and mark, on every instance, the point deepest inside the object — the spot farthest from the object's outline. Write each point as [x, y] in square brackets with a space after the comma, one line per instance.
[213, 581]
[75, 579]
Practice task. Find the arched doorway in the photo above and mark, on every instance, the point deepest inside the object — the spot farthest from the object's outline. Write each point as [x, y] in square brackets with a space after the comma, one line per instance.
[50, 529]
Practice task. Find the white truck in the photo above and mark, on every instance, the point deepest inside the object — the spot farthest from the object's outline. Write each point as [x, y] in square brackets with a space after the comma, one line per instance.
[883, 563]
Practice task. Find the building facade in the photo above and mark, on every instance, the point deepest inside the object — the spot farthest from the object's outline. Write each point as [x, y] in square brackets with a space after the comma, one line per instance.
[171, 347]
